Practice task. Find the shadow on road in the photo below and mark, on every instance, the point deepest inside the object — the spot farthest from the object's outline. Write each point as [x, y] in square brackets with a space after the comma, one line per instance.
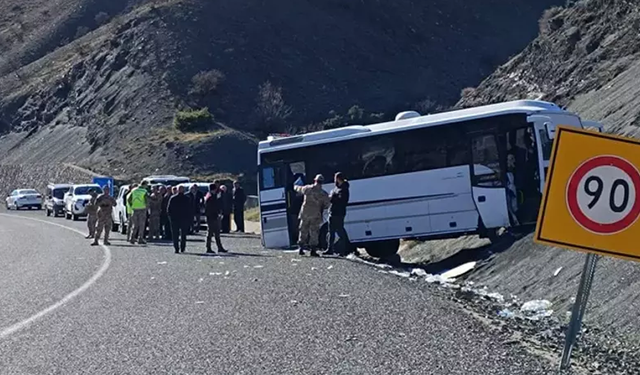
[227, 255]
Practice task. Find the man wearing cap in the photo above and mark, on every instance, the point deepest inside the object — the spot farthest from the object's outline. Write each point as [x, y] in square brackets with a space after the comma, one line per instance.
[316, 200]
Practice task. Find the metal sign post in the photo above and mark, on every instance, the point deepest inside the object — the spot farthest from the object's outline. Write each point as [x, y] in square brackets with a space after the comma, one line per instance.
[579, 307]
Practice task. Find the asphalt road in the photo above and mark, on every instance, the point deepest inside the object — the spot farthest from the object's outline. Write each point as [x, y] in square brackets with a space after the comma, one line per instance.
[145, 310]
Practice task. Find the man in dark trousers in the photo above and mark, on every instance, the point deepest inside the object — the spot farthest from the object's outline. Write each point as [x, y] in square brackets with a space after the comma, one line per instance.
[180, 216]
[165, 227]
[337, 211]
[239, 199]
[227, 208]
[212, 210]
[197, 200]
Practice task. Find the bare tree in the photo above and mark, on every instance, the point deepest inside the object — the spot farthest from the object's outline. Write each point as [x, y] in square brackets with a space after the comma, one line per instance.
[206, 82]
[271, 106]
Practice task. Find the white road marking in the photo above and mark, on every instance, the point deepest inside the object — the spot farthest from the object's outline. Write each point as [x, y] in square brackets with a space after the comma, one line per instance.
[6, 332]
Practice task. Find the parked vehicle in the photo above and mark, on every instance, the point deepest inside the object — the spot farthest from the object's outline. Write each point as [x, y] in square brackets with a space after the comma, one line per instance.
[166, 180]
[24, 198]
[119, 214]
[54, 199]
[76, 199]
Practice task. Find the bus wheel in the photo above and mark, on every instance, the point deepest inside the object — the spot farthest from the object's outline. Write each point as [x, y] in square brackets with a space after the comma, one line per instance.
[383, 249]
[493, 235]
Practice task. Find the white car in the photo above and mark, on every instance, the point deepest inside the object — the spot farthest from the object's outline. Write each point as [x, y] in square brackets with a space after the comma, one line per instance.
[24, 198]
[166, 180]
[119, 213]
[77, 198]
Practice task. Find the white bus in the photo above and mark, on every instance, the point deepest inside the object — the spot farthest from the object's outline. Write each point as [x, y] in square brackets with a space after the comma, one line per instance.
[469, 171]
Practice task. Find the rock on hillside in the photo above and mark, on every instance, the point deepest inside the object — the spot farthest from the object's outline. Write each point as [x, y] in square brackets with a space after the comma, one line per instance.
[108, 98]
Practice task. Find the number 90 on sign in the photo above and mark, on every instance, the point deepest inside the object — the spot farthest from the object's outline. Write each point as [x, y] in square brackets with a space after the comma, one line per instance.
[602, 195]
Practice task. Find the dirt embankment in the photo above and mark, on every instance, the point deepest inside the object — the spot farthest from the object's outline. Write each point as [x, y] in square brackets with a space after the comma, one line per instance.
[37, 176]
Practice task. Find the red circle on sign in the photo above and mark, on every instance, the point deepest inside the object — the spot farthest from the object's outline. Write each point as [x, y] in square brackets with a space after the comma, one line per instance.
[572, 195]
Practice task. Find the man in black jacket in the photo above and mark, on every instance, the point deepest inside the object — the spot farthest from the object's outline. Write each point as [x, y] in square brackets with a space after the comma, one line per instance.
[212, 210]
[227, 208]
[197, 200]
[239, 199]
[181, 216]
[337, 211]
[165, 227]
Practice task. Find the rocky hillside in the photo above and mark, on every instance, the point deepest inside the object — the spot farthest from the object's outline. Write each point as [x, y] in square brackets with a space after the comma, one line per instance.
[15, 176]
[586, 58]
[103, 83]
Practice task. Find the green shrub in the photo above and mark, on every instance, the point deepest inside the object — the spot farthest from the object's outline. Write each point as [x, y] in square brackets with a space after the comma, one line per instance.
[193, 120]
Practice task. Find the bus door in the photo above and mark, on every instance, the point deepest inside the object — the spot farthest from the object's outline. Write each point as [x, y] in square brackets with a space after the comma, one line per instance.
[488, 180]
[274, 221]
[544, 130]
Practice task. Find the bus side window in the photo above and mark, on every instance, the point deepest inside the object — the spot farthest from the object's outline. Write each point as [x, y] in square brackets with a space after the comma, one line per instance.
[485, 153]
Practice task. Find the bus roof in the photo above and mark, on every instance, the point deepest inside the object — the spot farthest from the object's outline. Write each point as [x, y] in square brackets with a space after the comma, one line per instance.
[513, 107]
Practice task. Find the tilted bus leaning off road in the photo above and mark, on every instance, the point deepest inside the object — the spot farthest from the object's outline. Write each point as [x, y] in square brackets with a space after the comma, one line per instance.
[469, 171]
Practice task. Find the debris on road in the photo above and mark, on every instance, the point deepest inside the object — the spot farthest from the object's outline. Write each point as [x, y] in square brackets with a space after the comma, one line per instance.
[400, 273]
[418, 272]
[557, 271]
[459, 271]
[536, 309]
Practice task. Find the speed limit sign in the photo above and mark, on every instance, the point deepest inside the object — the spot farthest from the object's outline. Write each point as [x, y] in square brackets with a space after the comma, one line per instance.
[592, 194]
[601, 194]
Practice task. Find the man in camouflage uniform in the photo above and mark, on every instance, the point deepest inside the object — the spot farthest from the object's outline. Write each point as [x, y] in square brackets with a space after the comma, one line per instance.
[105, 203]
[92, 214]
[155, 210]
[315, 202]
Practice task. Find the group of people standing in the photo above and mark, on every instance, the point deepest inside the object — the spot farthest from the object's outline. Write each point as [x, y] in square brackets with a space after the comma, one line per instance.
[99, 209]
[315, 201]
[171, 213]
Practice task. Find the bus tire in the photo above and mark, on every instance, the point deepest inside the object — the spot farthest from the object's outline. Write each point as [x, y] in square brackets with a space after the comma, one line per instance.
[383, 249]
[493, 235]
